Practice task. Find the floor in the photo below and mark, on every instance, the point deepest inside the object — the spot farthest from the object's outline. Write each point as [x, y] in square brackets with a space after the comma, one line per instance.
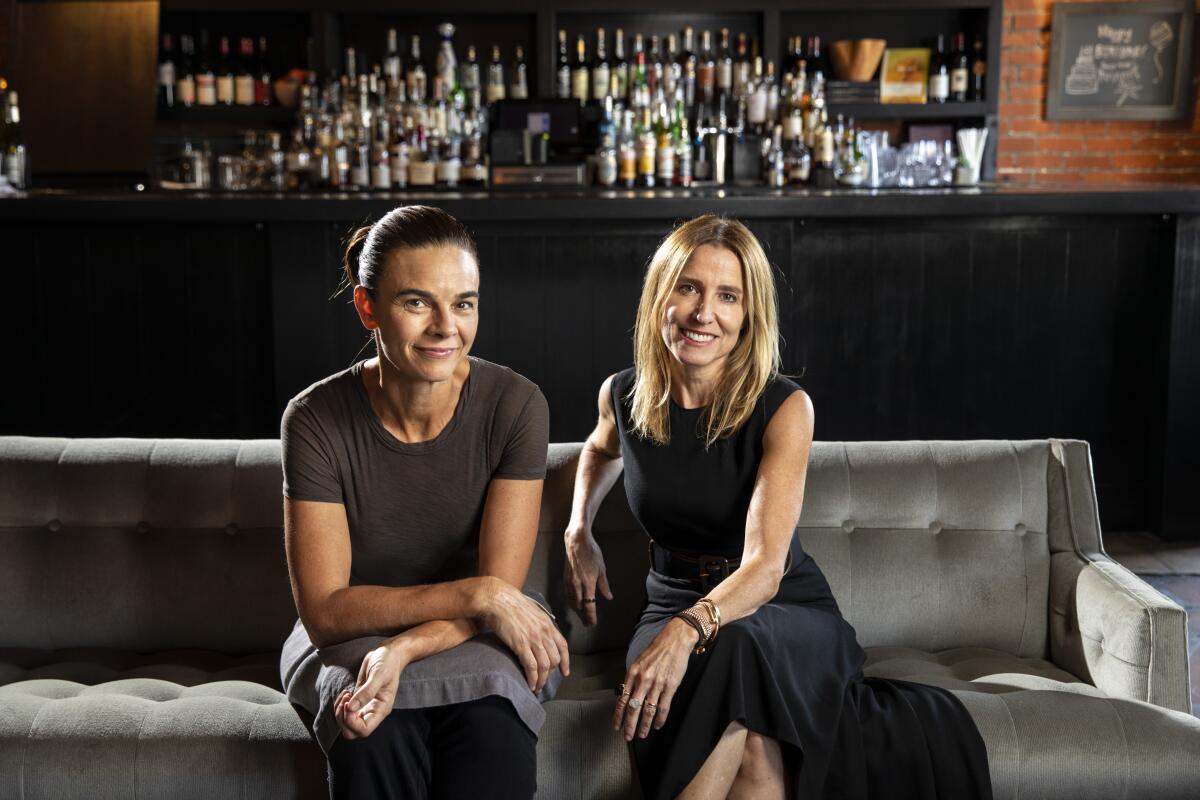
[1174, 569]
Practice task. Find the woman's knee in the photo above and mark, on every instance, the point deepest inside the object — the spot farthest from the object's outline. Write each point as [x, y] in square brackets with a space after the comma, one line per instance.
[489, 735]
[761, 758]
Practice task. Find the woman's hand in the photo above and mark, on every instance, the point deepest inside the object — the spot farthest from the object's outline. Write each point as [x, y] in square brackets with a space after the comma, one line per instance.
[359, 713]
[526, 629]
[652, 679]
[584, 573]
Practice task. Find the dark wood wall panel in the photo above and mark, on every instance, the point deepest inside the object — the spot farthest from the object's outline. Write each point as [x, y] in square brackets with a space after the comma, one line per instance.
[129, 330]
[1006, 327]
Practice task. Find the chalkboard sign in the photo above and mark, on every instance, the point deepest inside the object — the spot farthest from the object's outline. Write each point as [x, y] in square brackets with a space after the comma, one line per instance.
[1121, 60]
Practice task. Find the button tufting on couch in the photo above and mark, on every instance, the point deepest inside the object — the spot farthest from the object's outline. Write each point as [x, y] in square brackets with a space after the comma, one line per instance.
[146, 597]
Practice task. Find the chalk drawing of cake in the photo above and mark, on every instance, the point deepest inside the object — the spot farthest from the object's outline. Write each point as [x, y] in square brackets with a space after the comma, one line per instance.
[1083, 78]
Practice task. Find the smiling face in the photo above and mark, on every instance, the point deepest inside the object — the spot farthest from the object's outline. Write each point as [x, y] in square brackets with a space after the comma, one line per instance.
[706, 310]
[425, 311]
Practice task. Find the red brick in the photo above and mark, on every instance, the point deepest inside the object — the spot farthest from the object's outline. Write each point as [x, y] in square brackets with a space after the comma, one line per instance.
[1023, 56]
[1019, 115]
[1186, 160]
[1109, 143]
[1017, 144]
[1136, 160]
[1055, 144]
[1024, 91]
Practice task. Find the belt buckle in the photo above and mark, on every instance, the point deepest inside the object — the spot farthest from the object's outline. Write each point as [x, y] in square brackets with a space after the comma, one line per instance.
[711, 566]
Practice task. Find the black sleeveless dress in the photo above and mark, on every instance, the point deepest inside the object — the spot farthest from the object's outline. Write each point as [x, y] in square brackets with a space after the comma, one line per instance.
[792, 670]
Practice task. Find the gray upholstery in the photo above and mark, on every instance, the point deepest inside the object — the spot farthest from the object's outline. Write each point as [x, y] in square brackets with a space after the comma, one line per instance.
[146, 597]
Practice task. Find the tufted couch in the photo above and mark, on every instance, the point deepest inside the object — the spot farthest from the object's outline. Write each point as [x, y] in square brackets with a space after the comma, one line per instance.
[145, 597]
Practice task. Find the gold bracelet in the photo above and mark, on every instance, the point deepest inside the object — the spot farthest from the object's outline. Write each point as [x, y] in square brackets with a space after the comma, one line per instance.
[702, 627]
[714, 613]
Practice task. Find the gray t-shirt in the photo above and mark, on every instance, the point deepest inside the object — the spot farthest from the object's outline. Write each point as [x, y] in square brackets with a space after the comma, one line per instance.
[414, 509]
[414, 512]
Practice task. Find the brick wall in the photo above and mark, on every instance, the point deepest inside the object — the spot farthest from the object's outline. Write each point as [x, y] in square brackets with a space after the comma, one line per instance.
[1032, 150]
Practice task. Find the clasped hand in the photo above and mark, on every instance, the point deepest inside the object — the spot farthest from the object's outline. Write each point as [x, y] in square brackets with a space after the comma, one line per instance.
[359, 713]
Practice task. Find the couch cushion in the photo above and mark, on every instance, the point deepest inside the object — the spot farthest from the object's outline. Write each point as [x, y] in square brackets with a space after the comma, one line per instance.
[100, 665]
[144, 737]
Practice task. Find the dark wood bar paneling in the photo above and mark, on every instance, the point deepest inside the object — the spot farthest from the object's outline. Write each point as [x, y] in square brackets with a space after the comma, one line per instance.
[900, 326]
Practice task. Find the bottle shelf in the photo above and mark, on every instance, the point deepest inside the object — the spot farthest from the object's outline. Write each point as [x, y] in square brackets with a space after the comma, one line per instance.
[907, 111]
[229, 115]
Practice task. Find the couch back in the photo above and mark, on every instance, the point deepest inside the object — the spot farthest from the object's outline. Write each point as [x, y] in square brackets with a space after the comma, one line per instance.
[159, 544]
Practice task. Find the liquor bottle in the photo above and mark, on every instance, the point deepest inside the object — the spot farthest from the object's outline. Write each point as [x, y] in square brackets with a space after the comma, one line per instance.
[166, 72]
[627, 152]
[639, 87]
[741, 69]
[243, 82]
[818, 70]
[185, 79]
[562, 84]
[392, 62]
[206, 80]
[299, 161]
[415, 79]
[580, 75]
[683, 149]
[688, 65]
[960, 70]
[225, 74]
[275, 177]
[606, 153]
[978, 71]
[725, 64]
[447, 62]
[398, 158]
[381, 167]
[939, 73]
[495, 82]
[664, 170]
[756, 100]
[672, 71]
[468, 75]
[647, 145]
[654, 69]
[822, 171]
[601, 72]
[350, 68]
[799, 162]
[620, 68]
[262, 81]
[518, 76]
[706, 69]
[775, 162]
[449, 165]
[16, 158]
[773, 94]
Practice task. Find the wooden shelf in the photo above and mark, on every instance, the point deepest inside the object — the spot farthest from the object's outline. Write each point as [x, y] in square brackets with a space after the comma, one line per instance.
[909, 110]
[229, 115]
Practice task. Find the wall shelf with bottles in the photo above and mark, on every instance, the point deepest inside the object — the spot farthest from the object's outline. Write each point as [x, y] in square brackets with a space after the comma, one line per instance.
[913, 111]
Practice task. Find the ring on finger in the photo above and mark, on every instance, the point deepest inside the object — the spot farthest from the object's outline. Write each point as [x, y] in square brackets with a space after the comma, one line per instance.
[651, 707]
[635, 703]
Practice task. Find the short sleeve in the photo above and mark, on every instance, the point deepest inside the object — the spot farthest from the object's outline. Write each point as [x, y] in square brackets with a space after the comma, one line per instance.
[309, 469]
[523, 456]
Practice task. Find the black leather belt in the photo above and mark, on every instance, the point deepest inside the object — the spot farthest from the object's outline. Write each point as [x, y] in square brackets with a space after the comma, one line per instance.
[707, 570]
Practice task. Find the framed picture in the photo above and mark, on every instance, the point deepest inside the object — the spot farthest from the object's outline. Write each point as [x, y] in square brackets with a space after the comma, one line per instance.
[904, 75]
[1121, 61]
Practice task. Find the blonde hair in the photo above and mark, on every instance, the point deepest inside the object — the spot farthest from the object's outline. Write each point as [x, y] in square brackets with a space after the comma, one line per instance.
[749, 367]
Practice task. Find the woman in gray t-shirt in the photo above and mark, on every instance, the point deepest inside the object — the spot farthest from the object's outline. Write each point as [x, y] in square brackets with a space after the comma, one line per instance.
[412, 484]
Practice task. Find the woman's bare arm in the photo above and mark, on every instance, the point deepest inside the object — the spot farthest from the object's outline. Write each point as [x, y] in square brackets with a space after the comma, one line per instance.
[600, 465]
[317, 540]
[774, 511]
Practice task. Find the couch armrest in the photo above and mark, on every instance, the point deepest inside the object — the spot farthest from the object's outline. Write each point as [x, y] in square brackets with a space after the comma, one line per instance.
[1111, 628]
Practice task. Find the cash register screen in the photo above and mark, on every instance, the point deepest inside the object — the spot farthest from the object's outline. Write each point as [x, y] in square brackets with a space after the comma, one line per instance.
[559, 118]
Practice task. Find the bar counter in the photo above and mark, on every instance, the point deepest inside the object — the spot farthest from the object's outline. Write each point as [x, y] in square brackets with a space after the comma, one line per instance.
[991, 312]
[565, 203]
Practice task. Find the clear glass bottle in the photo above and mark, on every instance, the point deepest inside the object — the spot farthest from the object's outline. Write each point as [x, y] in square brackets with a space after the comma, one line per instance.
[688, 67]
[580, 75]
[496, 88]
[562, 83]
[447, 61]
[627, 152]
[683, 149]
[647, 146]
[664, 170]
[518, 76]
[601, 69]
[415, 79]
[392, 62]
[775, 166]
[619, 81]
[799, 162]
[606, 154]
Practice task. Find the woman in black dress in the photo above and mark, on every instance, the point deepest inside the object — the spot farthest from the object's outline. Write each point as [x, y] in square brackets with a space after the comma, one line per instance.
[743, 678]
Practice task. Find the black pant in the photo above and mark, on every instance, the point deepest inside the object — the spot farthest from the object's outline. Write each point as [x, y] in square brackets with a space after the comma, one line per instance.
[478, 750]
